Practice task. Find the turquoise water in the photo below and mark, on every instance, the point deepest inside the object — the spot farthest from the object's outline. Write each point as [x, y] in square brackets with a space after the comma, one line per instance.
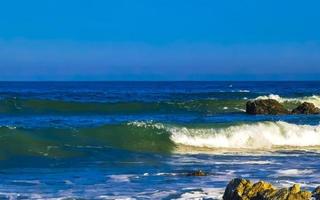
[138, 140]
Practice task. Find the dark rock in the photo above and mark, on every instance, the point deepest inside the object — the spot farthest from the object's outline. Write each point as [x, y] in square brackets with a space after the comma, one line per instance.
[316, 193]
[265, 107]
[306, 108]
[242, 189]
[197, 173]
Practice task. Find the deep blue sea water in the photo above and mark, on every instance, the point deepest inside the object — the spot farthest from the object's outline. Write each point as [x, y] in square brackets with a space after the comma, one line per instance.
[138, 140]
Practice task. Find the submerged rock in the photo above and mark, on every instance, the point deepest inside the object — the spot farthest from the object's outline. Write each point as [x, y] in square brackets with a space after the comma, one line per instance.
[316, 193]
[306, 108]
[242, 189]
[265, 107]
[197, 173]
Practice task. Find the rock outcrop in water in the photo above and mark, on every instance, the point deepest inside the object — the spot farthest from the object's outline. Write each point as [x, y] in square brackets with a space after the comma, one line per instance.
[242, 189]
[273, 107]
[265, 107]
[197, 173]
[306, 108]
[316, 193]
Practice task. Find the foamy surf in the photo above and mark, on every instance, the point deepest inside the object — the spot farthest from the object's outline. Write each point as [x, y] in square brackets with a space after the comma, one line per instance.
[257, 135]
[293, 172]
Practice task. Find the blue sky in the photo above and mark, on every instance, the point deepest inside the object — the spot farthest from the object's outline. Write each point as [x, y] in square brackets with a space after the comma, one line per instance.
[159, 40]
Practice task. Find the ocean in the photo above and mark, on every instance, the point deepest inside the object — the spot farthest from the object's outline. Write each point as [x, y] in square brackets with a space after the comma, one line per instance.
[139, 140]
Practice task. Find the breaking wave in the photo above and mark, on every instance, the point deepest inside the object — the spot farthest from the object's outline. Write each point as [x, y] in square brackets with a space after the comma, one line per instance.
[154, 137]
[256, 135]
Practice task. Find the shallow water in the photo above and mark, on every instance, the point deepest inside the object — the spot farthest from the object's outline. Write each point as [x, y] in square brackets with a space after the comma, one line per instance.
[138, 140]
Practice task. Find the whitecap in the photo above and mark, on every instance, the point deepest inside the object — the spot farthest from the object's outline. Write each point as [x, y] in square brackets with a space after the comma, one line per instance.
[257, 135]
[293, 172]
[203, 193]
[121, 177]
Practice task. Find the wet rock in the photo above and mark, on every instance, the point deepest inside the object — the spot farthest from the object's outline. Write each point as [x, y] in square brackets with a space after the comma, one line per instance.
[235, 189]
[306, 108]
[265, 107]
[258, 190]
[242, 189]
[316, 193]
[292, 193]
[197, 173]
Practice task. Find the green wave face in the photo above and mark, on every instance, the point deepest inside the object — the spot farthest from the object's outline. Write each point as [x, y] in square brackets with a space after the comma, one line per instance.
[16, 106]
[60, 143]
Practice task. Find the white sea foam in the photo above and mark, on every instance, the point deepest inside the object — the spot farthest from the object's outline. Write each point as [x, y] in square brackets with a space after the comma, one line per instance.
[239, 162]
[31, 182]
[241, 91]
[9, 127]
[244, 90]
[240, 109]
[294, 172]
[304, 184]
[312, 99]
[258, 135]
[117, 197]
[150, 123]
[161, 194]
[166, 174]
[122, 177]
[203, 193]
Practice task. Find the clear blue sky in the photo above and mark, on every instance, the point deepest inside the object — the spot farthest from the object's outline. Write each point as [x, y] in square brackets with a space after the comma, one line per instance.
[159, 40]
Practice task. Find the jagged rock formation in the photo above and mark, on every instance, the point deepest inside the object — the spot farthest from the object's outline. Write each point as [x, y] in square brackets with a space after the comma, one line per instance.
[273, 107]
[242, 189]
[197, 173]
[316, 193]
[306, 108]
[265, 107]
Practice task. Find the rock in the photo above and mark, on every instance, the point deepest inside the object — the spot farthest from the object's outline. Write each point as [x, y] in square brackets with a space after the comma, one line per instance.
[265, 107]
[242, 189]
[236, 188]
[295, 193]
[306, 108]
[259, 189]
[316, 193]
[197, 173]
[292, 193]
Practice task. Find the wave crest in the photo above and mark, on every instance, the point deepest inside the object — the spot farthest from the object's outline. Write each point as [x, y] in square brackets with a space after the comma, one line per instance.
[258, 135]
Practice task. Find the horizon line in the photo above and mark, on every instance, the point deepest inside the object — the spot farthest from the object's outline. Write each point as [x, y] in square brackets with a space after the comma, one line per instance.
[1, 81]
